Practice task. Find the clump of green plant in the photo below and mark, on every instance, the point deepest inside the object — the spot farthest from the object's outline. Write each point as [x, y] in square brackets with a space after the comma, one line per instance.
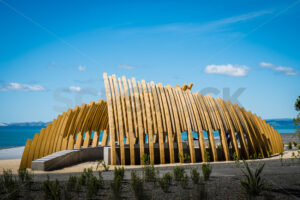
[137, 185]
[281, 155]
[236, 159]
[165, 182]
[146, 159]
[85, 175]
[178, 173]
[187, 158]
[270, 153]
[87, 179]
[180, 176]
[289, 145]
[51, 190]
[259, 156]
[24, 176]
[253, 184]
[298, 146]
[92, 186]
[116, 183]
[195, 176]
[184, 181]
[295, 143]
[72, 181]
[104, 165]
[206, 171]
[207, 156]
[9, 185]
[149, 173]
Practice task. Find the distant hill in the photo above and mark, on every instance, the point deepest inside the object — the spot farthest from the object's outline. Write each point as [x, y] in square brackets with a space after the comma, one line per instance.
[3, 124]
[24, 124]
[281, 122]
[278, 123]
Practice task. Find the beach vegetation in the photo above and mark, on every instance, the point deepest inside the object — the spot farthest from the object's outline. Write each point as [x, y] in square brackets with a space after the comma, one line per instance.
[150, 173]
[137, 185]
[180, 176]
[103, 164]
[259, 156]
[184, 181]
[187, 158]
[207, 156]
[289, 145]
[206, 171]
[295, 143]
[9, 185]
[165, 182]
[178, 173]
[85, 175]
[92, 186]
[253, 183]
[195, 176]
[281, 155]
[146, 159]
[116, 183]
[25, 177]
[72, 182]
[51, 190]
[236, 159]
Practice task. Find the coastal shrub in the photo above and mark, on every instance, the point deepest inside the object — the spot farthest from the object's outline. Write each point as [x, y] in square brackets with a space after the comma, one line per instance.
[184, 181]
[207, 156]
[295, 143]
[51, 189]
[72, 181]
[206, 171]
[116, 183]
[187, 158]
[259, 156]
[165, 182]
[24, 176]
[289, 145]
[92, 186]
[281, 155]
[146, 159]
[137, 186]
[195, 176]
[104, 165]
[149, 173]
[178, 173]
[253, 183]
[85, 175]
[9, 185]
[119, 171]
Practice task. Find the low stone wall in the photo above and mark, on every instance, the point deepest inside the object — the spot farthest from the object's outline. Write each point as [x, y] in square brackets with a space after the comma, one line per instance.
[67, 158]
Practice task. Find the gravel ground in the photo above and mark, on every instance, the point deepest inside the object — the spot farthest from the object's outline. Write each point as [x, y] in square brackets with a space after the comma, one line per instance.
[282, 177]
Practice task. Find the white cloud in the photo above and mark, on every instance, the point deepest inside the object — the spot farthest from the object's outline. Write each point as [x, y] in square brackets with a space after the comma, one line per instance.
[289, 71]
[229, 70]
[265, 64]
[21, 87]
[81, 68]
[124, 66]
[74, 89]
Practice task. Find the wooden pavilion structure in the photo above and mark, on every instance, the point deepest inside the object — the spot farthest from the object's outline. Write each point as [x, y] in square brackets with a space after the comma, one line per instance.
[145, 113]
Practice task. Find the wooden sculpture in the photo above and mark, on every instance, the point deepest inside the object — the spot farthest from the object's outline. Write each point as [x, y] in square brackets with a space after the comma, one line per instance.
[139, 112]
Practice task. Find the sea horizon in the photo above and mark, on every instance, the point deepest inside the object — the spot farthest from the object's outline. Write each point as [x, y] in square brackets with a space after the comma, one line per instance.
[13, 136]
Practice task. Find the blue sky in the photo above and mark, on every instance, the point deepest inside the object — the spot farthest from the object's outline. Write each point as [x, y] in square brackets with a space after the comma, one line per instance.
[53, 53]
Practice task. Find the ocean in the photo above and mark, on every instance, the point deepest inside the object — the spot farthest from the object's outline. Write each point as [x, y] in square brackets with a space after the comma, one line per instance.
[11, 136]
